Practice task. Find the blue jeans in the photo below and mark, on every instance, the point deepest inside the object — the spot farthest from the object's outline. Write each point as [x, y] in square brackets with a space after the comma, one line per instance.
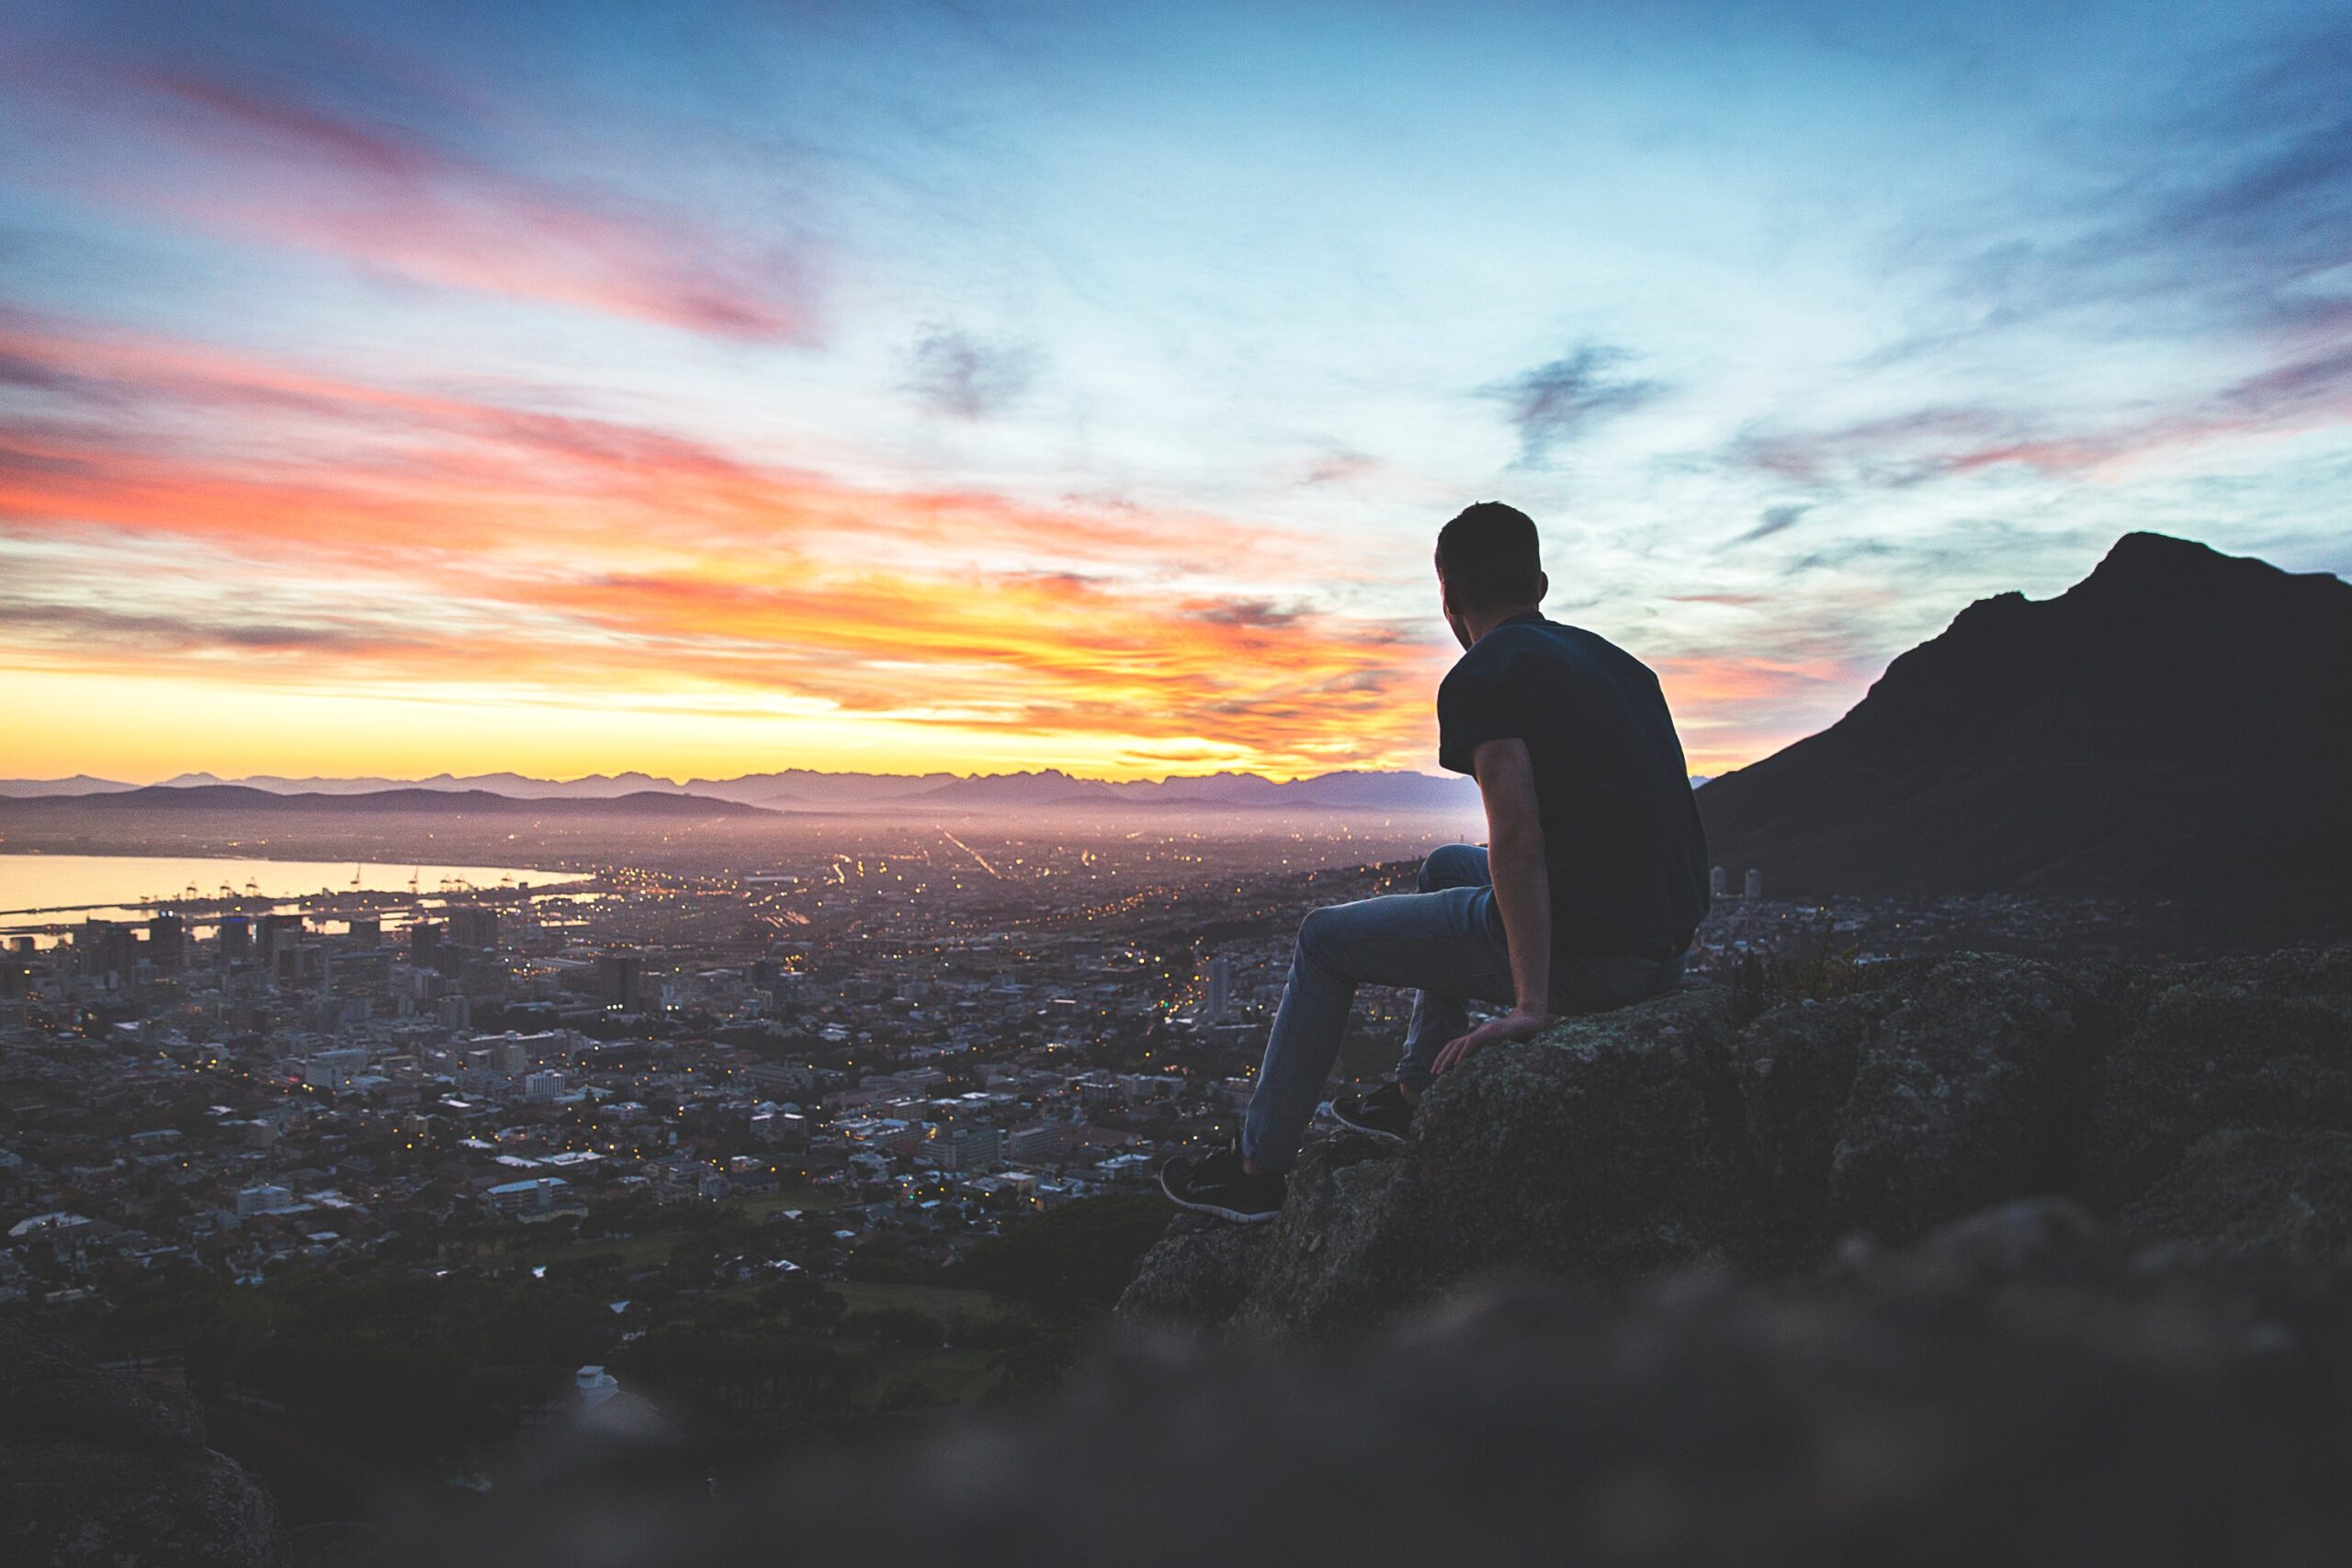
[1446, 942]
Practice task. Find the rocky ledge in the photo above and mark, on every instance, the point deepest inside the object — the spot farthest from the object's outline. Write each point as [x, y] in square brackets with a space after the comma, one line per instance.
[2209, 1103]
[2023, 1387]
[99, 1468]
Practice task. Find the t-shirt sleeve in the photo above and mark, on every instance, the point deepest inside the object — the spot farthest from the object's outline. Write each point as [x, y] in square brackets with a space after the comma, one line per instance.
[1476, 704]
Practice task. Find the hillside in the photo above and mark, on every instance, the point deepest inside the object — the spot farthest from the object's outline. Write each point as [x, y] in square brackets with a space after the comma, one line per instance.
[2170, 728]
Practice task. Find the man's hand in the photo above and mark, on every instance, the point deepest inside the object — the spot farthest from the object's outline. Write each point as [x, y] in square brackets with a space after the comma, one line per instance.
[1517, 1025]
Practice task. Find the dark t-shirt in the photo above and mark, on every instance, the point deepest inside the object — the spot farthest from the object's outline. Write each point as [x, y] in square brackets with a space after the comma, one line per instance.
[1622, 838]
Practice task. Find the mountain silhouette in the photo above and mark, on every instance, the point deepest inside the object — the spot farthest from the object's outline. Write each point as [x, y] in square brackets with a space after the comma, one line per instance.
[1050, 787]
[2172, 727]
[411, 798]
[811, 791]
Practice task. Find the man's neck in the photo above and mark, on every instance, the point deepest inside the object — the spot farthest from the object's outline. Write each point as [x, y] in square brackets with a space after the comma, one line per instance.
[1480, 626]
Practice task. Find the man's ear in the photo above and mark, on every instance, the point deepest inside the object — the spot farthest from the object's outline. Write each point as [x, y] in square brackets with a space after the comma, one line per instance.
[1542, 586]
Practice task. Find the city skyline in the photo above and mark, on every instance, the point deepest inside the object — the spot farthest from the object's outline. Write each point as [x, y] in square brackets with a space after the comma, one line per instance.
[400, 392]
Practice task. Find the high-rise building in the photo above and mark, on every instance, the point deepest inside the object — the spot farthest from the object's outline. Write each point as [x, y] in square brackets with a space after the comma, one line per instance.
[1220, 988]
[620, 980]
[1037, 1142]
[1718, 882]
[456, 1012]
[335, 1069]
[1755, 888]
[424, 942]
[106, 952]
[236, 939]
[970, 1145]
[367, 930]
[359, 974]
[472, 925]
[166, 942]
[300, 962]
[276, 934]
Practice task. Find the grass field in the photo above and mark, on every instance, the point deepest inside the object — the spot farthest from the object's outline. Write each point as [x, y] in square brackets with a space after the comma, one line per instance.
[650, 1247]
[951, 1377]
[937, 1300]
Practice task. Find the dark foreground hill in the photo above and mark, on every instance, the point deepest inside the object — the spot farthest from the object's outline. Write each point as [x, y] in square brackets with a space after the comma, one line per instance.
[2172, 727]
[1969, 1260]
[1981, 1260]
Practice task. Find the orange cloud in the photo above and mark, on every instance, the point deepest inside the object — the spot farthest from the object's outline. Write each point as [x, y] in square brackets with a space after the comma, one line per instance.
[436, 539]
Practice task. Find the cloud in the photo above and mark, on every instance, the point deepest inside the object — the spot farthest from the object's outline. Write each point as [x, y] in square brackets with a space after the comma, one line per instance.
[963, 377]
[1247, 612]
[1557, 402]
[1339, 465]
[2223, 218]
[408, 185]
[77, 626]
[2312, 392]
[1875, 453]
[414, 542]
[2230, 209]
[1773, 520]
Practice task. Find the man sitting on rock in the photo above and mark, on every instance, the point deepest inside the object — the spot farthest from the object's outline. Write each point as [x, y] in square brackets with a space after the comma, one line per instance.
[1593, 879]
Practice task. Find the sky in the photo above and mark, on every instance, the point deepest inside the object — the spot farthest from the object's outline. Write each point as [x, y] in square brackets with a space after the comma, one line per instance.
[716, 388]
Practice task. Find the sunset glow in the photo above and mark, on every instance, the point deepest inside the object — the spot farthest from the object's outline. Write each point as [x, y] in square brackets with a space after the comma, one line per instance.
[564, 392]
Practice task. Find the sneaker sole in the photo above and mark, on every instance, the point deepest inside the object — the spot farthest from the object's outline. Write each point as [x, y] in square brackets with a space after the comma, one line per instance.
[1238, 1216]
[1399, 1139]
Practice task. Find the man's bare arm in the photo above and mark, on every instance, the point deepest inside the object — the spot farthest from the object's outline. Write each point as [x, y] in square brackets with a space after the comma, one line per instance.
[1523, 894]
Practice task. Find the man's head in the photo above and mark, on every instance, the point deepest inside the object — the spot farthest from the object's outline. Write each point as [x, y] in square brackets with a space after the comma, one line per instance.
[1489, 567]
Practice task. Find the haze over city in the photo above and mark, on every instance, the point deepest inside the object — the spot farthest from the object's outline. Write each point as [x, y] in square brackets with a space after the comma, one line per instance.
[388, 391]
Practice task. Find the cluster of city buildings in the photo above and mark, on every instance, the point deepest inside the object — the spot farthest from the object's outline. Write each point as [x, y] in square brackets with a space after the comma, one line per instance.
[245, 1090]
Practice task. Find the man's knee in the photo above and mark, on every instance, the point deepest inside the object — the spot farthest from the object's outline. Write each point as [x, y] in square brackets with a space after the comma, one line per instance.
[1446, 867]
[1316, 932]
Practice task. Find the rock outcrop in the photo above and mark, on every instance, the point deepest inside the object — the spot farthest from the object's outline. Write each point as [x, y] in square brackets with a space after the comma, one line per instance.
[2209, 1103]
[102, 1470]
[2023, 1387]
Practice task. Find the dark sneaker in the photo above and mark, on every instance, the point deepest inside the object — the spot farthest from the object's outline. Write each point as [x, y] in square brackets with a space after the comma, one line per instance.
[1215, 1183]
[1383, 1113]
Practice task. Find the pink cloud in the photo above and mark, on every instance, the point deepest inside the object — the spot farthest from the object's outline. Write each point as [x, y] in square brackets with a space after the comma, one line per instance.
[425, 210]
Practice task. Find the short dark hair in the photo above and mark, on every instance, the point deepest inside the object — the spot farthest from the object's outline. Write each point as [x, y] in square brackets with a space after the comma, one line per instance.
[1489, 559]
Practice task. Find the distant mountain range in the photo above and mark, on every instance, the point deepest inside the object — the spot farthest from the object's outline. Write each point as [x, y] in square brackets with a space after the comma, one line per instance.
[445, 802]
[796, 789]
[2175, 725]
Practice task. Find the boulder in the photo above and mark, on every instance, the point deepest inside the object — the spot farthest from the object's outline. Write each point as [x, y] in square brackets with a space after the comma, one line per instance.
[1600, 1151]
[2250, 1043]
[2209, 1102]
[1970, 1088]
[99, 1468]
[1940, 1086]
[84, 1504]
[2281, 1196]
